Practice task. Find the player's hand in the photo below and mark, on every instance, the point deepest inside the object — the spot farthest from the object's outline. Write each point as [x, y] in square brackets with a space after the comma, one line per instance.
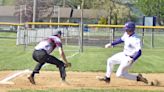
[108, 45]
[68, 65]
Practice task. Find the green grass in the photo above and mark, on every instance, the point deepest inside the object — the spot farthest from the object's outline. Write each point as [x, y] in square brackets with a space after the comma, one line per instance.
[9, 2]
[85, 90]
[13, 57]
[93, 59]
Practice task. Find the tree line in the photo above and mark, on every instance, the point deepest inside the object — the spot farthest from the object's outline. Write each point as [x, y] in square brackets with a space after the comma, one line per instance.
[117, 11]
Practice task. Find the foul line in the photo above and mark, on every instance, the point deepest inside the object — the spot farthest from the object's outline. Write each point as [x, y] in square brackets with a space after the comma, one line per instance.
[6, 80]
[66, 57]
[72, 55]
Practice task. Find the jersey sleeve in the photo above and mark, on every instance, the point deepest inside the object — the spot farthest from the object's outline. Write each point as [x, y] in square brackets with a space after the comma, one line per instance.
[118, 41]
[137, 49]
[137, 55]
[137, 44]
[58, 42]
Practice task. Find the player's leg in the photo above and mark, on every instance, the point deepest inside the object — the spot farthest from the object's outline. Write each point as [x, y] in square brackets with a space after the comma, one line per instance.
[38, 56]
[123, 71]
[59, 64]
[109, 68]
[142, 79]
[36, 70]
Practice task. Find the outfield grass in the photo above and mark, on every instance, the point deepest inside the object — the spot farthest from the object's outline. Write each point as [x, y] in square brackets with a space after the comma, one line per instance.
[9, 2]
[93, 59]
[14, 57]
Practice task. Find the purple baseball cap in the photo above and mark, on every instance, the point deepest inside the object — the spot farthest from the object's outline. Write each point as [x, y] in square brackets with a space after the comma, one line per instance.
[129, 26]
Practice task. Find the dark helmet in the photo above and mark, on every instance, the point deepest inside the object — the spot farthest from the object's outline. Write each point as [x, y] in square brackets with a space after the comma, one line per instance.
[57, 32]
[129, 26]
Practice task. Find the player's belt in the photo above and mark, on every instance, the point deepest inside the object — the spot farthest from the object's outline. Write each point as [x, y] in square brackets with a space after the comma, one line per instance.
[39, 49]
[129, 56]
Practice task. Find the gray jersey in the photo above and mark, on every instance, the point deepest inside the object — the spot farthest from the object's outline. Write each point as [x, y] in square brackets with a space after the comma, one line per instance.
[49, 44]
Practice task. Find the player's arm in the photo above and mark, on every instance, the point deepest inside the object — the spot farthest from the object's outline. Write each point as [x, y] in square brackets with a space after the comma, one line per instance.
[138, 51]
[61, 51]
[137, 55]
[62, 54]
[118, 41]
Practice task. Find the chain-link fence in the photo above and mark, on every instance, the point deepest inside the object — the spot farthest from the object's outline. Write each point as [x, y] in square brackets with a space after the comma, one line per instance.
[92, 36]
[28, 36]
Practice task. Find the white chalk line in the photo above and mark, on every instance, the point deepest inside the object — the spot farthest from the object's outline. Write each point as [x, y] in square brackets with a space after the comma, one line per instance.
[7, 79]
[71, 56]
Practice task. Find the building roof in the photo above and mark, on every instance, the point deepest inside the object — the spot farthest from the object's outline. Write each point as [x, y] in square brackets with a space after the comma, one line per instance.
[87, 13]
[7, 10]
[64, 12]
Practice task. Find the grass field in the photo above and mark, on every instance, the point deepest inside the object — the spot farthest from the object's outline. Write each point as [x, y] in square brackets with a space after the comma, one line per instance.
[9, 2]
[93, 59]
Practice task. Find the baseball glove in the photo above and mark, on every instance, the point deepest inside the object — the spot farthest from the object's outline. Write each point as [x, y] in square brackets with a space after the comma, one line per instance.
[68, 65]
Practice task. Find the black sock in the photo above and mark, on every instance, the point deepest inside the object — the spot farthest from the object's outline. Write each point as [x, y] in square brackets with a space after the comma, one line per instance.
[33, 74]
[62, 72]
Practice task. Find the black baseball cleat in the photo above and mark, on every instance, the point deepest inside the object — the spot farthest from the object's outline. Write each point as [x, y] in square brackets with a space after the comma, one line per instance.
[142, 79]
[31, 79]
[106, 79]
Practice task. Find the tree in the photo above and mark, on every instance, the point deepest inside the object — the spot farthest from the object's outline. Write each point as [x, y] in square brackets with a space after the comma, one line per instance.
[24, 9]
[111, 10]
[88, 4]
[152, 8]
[115, 11]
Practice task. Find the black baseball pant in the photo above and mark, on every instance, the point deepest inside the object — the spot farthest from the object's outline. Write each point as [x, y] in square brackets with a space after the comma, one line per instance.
[42, 57]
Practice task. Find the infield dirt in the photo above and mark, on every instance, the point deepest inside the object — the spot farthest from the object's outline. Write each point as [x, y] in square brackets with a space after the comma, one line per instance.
[76, 80]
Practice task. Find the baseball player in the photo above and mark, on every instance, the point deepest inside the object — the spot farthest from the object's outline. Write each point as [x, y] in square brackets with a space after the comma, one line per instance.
[132, 51]
[42, 55]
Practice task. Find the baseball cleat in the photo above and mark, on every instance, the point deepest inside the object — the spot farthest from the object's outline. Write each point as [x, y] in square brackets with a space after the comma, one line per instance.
[154, 83]
[31, 79]
[107, 80]
[142, 79]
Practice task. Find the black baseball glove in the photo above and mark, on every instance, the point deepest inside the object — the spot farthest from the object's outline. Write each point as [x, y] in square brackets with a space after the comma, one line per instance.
[68, 64]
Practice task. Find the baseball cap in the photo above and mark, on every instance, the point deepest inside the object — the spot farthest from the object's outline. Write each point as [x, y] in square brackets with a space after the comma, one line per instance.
[57, 32]
[129, 26]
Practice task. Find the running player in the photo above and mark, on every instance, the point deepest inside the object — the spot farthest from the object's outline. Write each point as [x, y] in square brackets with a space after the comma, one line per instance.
[132, 51]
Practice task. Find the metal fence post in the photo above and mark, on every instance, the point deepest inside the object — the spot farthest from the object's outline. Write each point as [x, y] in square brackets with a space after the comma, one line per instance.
[152, 38]
[82, 34]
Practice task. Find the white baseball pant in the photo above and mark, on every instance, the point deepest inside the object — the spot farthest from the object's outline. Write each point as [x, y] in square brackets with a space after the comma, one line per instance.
[122, 71]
